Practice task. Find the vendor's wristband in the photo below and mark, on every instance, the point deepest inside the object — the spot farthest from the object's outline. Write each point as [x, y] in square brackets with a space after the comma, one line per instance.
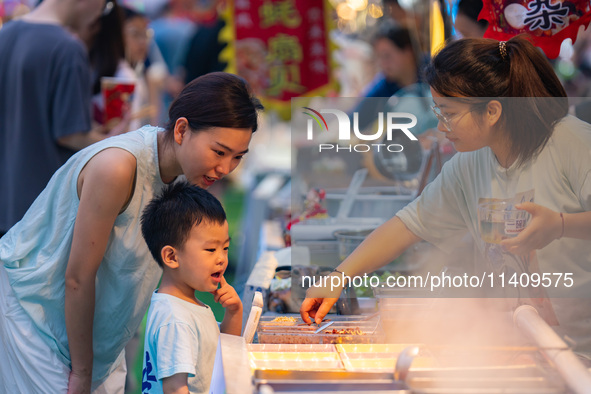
[562, 233]
[340, 272]
[347, 281]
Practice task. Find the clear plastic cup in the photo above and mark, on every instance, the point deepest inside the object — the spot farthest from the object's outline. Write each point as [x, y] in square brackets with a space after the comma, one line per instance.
[500, 220]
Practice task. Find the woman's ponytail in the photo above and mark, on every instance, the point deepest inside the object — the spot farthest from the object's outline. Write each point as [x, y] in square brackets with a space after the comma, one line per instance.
[531, 74]
[486, 68]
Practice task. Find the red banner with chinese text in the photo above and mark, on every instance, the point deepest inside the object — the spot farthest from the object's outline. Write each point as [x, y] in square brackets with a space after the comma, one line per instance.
[281, 47]
[547, 22]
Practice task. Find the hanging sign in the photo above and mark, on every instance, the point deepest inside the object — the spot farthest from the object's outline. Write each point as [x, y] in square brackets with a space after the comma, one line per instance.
[547, 22]
[281, 47]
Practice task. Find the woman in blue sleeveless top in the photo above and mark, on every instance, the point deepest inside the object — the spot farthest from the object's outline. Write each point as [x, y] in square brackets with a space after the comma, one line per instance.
[76, 274]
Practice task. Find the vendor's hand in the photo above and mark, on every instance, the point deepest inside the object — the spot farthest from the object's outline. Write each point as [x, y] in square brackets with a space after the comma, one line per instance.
[227, 296]
[544, 227]
[320, 298]
[316, 308]
[79, 384]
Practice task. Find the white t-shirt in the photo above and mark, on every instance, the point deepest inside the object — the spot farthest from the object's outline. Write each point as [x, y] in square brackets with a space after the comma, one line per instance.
[560, 178]
[181, 337]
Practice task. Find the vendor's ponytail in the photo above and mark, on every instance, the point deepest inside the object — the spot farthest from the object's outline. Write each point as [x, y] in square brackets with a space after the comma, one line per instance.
[530, 73]
[479, 67]
[482, 67]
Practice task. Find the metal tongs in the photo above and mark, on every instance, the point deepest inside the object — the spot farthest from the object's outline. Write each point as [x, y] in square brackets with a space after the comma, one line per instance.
[323, 326]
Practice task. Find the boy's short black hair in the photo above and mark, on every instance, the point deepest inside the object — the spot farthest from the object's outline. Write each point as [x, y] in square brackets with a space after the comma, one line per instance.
[170, 216]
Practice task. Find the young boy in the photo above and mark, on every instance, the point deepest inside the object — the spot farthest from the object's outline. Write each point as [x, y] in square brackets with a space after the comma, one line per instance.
[187, 233]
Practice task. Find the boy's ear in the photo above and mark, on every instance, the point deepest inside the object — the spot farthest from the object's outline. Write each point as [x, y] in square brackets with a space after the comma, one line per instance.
[169, 258]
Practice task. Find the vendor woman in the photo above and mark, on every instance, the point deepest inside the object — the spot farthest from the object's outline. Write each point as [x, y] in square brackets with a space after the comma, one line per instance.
[506, 149]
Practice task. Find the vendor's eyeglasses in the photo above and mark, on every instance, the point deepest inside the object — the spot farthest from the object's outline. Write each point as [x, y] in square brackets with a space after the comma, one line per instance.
[446, 119]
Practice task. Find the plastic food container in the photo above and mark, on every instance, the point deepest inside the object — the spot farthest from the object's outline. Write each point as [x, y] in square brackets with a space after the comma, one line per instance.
[340, 332]
[274, 347]
[295, 360]
[409, 260]
[377, 357]
[499, 220]
[370, 202]
[374, 348]
[311, 338]
[382, 364]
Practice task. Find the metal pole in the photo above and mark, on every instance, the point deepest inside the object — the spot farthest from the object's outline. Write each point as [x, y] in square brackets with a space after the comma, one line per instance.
[570, 367]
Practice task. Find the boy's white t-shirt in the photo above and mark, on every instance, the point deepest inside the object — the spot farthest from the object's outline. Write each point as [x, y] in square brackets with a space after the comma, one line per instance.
[181, 337]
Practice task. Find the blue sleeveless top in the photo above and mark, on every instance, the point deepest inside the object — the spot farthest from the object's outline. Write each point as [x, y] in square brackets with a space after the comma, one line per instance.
[35, 254]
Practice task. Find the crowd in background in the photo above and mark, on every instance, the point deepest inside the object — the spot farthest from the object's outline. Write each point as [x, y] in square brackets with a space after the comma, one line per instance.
[160, 45]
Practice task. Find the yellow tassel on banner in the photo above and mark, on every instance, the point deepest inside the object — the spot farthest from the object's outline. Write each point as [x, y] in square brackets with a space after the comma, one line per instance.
[436, 27]
[228, 35]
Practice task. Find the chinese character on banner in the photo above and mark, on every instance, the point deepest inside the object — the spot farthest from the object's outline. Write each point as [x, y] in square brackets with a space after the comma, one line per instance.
[547, 22]
[281, 47]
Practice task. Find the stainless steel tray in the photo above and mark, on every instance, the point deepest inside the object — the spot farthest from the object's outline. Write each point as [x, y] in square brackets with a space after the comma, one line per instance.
[329, 381]
[518, 379]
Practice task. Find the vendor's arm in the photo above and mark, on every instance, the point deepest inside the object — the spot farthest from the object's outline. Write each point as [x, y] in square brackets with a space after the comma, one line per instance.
[383, 245]
[577, 225]
[176, 384]
[545, 226]
[104, 187]
[227, 296]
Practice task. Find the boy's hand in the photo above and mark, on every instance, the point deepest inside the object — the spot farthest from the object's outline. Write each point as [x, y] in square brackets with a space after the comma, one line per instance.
[227, 296]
